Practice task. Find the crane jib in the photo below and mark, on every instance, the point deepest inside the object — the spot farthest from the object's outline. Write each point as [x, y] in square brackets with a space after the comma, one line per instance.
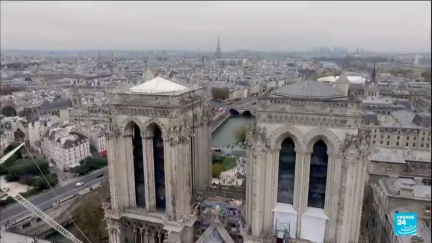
[24, 202]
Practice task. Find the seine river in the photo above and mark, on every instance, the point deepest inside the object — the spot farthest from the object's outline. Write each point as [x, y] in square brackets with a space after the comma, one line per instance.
[222, 137]
[225, 134]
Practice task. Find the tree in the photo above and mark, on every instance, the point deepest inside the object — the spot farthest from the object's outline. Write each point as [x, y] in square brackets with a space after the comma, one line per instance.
[89, 164]
[9, 111]
[12, 147]
[427, 76]
[313, 77]
[25, 167]
[227, 163]
[8, 90]
[240, 134]
[41, 184]
[93, 149]
[406, 73]
[217, 169]
[89, 216]
[220, 93]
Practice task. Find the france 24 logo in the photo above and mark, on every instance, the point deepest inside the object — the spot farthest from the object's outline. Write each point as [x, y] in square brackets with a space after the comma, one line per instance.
[405, 224]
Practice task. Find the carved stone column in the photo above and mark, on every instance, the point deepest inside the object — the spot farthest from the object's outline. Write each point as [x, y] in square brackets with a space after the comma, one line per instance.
[129, 166]
[151, 238]
[181, 178]
[174, 237]
[112, 162]
[160, 240]
[356, 150]
[301, 204]
[169, 173]
[275, 177]
[331, 196]
[197, 141]
[361, 173]
[141, 234]
[114, 231]
[187, 177]
[135, 233]
[146, 236]
[258, 187]
[269, 203]
[173, 179]
[345, 210]
[148, 160]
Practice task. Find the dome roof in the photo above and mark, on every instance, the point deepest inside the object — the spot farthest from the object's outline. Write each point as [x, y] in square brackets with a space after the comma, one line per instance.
[352, 79]
[308, 89]
[158, 85]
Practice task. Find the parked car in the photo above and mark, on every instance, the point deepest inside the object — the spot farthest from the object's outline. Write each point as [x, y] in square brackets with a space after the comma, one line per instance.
[100, 175]
[78, 184]
[51, 165]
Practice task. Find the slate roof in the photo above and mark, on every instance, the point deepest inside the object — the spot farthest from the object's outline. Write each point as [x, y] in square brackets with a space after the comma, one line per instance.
[399, 155]
[405, 103]
[403, 117]
[371, 117]
[354, 86]
[422, 119]
[57, 104]
[308, 89]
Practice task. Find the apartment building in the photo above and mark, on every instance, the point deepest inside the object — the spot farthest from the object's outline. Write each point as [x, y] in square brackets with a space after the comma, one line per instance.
[97, 137]
[394, 195]
[65, 147]
[399, 162]
[405, 130]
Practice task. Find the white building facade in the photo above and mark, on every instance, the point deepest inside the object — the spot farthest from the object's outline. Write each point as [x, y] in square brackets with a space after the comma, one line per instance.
[64, 147]
[98, 138]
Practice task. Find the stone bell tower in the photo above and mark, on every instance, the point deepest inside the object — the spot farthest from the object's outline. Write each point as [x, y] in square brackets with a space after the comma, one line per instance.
[158, 155]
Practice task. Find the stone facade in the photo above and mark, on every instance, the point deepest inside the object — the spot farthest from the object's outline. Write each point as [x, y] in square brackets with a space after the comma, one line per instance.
[184, 124]
[323, 125]
[337, 124]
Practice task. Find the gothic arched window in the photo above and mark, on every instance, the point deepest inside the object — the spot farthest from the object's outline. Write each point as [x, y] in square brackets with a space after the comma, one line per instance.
[318, 175]
[287, 159]
[159, 168]
[138, 167]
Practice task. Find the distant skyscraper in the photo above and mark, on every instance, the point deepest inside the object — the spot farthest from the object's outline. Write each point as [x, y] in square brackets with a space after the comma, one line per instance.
[374, 74]
[218, 53]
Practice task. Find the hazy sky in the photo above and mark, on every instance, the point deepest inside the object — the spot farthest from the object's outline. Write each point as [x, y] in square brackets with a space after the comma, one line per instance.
[265, 26]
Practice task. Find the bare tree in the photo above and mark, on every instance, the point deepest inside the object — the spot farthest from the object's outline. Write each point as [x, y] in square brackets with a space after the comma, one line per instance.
[89, 216]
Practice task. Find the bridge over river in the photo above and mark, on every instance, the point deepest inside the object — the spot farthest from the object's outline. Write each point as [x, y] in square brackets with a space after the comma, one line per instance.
[240, 113]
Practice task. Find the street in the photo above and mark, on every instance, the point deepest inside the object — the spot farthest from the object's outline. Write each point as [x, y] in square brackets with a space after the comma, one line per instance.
[44, 201]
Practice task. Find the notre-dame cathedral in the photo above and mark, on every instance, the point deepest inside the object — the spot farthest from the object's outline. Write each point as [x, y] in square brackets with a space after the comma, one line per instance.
[306, 167]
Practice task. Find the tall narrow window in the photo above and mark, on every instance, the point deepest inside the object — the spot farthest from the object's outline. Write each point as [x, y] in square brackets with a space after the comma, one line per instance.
[159, 169]
[318, 175]
[287, 158]
[138, 167]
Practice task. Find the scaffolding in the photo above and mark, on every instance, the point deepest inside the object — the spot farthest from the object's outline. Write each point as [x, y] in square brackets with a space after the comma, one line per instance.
[283, 228]
[220, 213]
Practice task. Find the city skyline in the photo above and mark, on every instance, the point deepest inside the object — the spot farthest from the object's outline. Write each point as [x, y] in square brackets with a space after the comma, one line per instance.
[376, 26]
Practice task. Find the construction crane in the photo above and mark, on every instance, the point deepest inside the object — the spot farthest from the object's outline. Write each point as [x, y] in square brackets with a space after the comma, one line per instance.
[32, 208]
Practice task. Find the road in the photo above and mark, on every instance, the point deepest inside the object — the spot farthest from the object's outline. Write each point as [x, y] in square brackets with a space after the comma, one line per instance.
[44, 201]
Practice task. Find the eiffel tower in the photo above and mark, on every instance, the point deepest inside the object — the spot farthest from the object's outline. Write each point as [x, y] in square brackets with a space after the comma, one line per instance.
[218, 53]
